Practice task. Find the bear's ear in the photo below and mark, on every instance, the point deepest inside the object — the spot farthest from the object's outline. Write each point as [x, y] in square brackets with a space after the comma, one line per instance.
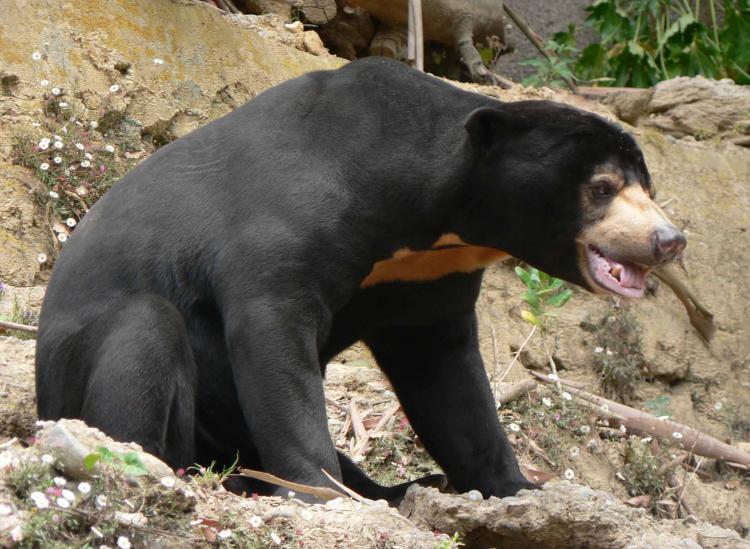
[487, 125]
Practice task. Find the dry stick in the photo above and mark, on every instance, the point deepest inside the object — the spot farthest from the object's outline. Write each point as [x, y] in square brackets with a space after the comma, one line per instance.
[536, 40]
[685, 487]
[517, 354]
[645, 424]
[515, 390]
[18, 327]
[346, 489]
[415, 44]
[700, 317]
[322, 492]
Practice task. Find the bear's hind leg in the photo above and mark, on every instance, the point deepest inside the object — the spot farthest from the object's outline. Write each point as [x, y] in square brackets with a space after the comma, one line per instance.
[141, 385]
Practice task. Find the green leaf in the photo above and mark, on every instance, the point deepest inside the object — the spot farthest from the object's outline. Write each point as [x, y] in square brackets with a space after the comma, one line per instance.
[90, 461]
[133, 465]
[106, 455]
[524, 275]
[560, 299]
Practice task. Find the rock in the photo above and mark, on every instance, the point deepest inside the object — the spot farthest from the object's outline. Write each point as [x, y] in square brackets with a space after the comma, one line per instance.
[71, 440]
[313, 44]
[560, 515]
[631, 105]
[319, 12]
[18, 406]
[699, 107]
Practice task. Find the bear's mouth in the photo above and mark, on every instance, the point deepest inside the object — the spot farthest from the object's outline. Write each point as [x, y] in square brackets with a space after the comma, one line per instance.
[619, 277]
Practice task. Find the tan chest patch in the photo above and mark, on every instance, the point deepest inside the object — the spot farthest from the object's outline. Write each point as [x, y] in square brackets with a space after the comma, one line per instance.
[425, 265]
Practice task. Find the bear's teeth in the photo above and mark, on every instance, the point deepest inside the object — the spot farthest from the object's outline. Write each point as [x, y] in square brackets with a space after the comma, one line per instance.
[616, 270]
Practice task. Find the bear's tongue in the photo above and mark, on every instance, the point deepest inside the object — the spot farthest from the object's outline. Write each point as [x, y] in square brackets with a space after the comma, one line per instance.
[624, 278]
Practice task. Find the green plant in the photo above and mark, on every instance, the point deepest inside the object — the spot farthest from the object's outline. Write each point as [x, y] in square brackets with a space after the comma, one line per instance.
[617, 356]
[543, 294]
[211, 478]
[558, 68]
[642, 472]
[129, 463]
[453, 543]
[659, 406]
[641, 42]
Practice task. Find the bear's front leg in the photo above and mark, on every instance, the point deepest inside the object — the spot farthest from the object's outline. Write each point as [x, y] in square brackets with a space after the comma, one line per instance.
[273, 352]
[439, 377]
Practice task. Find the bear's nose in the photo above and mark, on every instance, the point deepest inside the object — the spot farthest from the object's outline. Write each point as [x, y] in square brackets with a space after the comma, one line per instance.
[669, 242]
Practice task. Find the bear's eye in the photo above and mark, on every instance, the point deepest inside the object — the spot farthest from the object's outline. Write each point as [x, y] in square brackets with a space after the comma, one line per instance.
[602, 188]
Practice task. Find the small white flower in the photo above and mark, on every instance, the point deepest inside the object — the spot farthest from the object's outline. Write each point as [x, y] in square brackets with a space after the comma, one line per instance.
[514, 427]
[291, 494]
[585, 429]
[36, 124]
[53, 194]
[114, 88]
[81, 191]
[663, 418]
[62, 105]
[158, 61]
[44, 144]
[67, 494]
[109, 148]
[256, 521]
[225, 534]
[89, 156]
[85, 163]
[96, 532]
[70, 222]
[619, 475]
[101, 501]
[94, 124]
[62, 237]
[84, 487]
[44, 166]
[79, 146]
[46, 458]
[569, 474]
[567, 396]
[609, 353]
[62, 503]
[547, 402]
[605, 407]
[623, 429]
[167, 482]
[598, 349]
[275, 538]
[44, 83]
[57, 160]
[677, 435]
[17, 533]
[646, 440]
[36, 56]
[718, 406]
[56, 91]
[57, 137]
[575, 451]
[59, 481]
[58, 144]
[553, 377]
[123, 542]
[67, 170]
[39, 499]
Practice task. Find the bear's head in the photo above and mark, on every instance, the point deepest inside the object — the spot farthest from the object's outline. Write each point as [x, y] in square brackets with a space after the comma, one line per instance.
[566, 191]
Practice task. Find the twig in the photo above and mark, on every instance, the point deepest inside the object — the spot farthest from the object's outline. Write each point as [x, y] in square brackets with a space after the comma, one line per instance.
[18, 327]
[517, 353]
[514, 390]
[346, 489]
[687, 483]
[536, 40]
[322, 492]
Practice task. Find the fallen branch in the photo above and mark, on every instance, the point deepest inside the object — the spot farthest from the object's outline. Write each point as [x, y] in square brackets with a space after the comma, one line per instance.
[322, 492]
[700, 317]
[667, 431]
[4, 324]
[511, 391]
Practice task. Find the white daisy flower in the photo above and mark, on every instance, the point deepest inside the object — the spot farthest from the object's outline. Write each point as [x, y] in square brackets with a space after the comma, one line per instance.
[56, 91]
[585, 429]
[167, 482]
[598, 350]
[39, 499]
[46, 458]
[79, 146]
[94, 124]
[44, 144]
[36, 56]
[57, 160]
[44, 166]
[84, 487]
[514, 427]
[89, 156]
[677, 435]
[53, 194]
[225, 534]
[123, 542]
[58, 144]
[718, 406]
[101, 501]
[59, 481]
[67, 494]
[42, 258]
[291, 494]
[62, 503]
[158, 61]
[609, 353]
[44, 83]
[85, 163]
[256, 521]
[575, 451]
[553, 377]
[81, 191]
[646, 440]
[62, 237]
[567, 396]
[569, 474]
[623, 429]
[62, 105]
[114, 88]
[547, 402]
[109, 148]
